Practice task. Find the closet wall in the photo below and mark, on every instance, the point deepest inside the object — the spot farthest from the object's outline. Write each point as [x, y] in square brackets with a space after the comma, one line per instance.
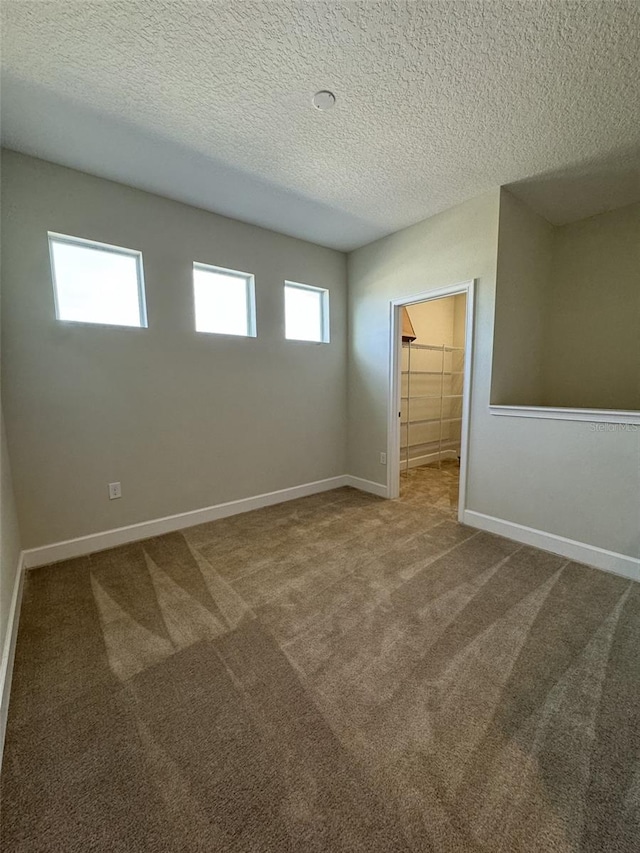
[432, 382]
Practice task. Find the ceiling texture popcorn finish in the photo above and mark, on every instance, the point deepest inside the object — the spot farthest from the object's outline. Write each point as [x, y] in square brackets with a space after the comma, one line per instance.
[210, 103]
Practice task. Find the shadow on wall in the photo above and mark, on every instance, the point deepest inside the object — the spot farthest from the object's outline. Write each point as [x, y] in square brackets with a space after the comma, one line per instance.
[568, 295]
[36, 113]
[586, 189]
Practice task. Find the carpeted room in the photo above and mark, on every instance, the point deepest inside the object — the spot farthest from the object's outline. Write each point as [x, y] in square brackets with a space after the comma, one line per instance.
[336, 672]
[257, 646]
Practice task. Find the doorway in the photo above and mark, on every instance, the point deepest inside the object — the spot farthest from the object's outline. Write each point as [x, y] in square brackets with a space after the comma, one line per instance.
[429, 397]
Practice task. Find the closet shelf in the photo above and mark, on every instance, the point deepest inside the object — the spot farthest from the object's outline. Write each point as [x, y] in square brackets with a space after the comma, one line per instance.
[433, 397]
[433, 372]
[430, 421]
[436, 347]
[449, 444]
[443, 425]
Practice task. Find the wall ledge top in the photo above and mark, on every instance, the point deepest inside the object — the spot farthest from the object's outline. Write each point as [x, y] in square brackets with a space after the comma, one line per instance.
[603, 416]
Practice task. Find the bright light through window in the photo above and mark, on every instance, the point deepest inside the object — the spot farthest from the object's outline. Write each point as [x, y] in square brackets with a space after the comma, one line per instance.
[96, 283]
[224, 301]
[306, 313]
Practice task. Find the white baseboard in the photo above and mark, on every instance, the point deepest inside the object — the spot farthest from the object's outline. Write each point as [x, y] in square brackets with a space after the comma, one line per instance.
[9, 651]
[366, 485]
[580, 552]
[70, 548]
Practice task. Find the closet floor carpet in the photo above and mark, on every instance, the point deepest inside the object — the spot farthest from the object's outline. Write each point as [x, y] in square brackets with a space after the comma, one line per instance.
[337, 673]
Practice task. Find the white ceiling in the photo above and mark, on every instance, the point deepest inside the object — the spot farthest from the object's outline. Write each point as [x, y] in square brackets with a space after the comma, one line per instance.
[210, 103]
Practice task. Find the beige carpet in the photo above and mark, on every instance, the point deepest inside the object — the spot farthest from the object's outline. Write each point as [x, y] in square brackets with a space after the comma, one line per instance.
[338, 673]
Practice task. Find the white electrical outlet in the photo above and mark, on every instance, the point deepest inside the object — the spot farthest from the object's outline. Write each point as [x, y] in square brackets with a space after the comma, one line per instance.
[383, 458]
[115, 491]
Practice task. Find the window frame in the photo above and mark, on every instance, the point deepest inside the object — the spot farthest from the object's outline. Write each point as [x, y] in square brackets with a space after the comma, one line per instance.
[250, 291]
[83, 242]
[325, 320]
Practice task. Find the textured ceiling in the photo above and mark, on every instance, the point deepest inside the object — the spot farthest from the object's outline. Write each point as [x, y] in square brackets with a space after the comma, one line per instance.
[210, 103]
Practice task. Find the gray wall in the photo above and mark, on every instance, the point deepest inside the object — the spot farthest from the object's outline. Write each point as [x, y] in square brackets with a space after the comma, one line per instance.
[567, 310]
[591, 343]
[187, 420]
[183, 420]
[577, 480]
[457, 245]
[525, 243]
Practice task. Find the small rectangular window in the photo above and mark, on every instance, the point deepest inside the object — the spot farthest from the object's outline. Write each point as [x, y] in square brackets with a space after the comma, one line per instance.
[96, 283]
[224, 301]
[306, 312]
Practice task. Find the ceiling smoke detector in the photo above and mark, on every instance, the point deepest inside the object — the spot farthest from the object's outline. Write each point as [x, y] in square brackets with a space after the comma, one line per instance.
[323, 100]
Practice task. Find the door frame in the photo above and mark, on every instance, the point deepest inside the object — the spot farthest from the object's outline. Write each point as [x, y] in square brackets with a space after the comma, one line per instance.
[395, 364]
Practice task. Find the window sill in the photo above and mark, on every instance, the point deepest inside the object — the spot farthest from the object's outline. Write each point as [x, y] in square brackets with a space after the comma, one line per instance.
[607, 416]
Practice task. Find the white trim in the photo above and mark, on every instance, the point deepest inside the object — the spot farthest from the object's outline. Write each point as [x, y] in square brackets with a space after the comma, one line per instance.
[395, 349]
[607, 416]
[70, 548]
[158, 526]
[366, 486]
[9, 650]
[600, 558]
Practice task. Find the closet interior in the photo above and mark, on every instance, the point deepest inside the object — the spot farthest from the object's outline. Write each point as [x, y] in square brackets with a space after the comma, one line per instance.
[432, 381]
